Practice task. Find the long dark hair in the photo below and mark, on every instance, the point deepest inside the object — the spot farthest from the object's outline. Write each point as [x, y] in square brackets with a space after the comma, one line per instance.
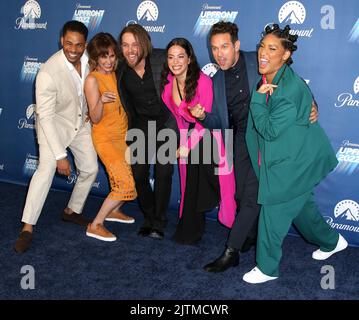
[193, 71]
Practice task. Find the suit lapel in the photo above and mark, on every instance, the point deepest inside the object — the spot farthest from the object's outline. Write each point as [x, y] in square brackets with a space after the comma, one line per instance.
[69, 80]
[250, 60]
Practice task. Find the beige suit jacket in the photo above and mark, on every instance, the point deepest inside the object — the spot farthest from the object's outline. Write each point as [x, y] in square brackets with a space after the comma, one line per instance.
[59, 116]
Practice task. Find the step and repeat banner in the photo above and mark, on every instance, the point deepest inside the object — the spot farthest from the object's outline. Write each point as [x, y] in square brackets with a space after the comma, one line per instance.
[327, 58]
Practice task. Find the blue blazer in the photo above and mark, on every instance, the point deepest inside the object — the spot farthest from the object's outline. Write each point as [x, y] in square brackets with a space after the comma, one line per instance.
[218, 118]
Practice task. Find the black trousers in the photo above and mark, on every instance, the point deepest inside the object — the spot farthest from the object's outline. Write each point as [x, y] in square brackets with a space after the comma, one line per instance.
[202, 194]
[246, 222]
[153, 202]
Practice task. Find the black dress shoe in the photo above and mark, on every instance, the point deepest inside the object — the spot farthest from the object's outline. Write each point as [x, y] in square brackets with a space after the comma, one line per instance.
[144, 231]
[229, 258]
[156, 234]
[248, 243]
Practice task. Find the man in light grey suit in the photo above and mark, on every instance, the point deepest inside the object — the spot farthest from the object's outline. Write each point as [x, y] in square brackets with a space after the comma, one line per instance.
[61, 113]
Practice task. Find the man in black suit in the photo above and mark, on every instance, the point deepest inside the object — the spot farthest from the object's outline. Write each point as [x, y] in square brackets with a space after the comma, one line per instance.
[232, 85]
[231, 91]
[139, 82]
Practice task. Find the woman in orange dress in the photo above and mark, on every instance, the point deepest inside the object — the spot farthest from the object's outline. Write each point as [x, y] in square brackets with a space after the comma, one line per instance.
[108, 133]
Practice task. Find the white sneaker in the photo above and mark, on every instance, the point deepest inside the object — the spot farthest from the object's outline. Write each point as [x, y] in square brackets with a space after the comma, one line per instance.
[322, 255]
[257, 276]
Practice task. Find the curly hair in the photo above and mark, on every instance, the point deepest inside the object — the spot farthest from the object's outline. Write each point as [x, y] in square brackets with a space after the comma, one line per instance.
[286, 38]
[99, 46]
[193, 71]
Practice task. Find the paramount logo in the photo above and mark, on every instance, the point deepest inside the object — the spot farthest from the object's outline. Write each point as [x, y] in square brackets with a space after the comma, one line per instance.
[347, 209]
[28, 122]
[341, 226]
[31, 11]
[147, 11]
[346, 99]
[72, 178]
[347, 212]
[294, 13]
[210, 69]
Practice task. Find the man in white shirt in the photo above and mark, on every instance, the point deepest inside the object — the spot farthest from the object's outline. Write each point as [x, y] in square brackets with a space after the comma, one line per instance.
[60, 124]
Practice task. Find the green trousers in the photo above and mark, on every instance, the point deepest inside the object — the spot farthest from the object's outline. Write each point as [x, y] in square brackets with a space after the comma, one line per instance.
[274, 223]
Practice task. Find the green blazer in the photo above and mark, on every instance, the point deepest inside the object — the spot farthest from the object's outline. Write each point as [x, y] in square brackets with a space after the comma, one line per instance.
[295, 154]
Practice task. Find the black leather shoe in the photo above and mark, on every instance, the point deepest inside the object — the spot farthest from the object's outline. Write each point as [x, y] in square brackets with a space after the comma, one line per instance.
[248, 243]
[229, 258]
[144, 231]
[156, 234]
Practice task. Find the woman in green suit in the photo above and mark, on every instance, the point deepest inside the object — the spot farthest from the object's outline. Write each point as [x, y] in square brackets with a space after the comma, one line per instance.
[290, 156]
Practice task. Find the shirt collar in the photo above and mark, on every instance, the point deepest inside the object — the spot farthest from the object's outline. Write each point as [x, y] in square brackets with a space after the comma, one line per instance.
[238, 66]
[84, 60]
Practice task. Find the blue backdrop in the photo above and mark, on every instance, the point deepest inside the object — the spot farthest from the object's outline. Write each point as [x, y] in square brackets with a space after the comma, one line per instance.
[327, 58]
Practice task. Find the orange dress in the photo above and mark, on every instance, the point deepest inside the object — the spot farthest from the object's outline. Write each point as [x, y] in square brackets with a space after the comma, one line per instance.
[109, 140]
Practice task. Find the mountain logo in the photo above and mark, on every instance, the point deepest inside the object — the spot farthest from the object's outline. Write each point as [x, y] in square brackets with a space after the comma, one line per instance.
[31, 10]
[147, 11]
[30, 111]
[131, 22]
[356, 86]
[28, 122]
[292, 12]
[210, 69]
[347, 209]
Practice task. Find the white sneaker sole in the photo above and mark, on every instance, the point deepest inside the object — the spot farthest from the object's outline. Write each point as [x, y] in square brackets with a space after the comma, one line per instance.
[120, 220]
[256, 276]
[92, 235]
[322, 255]
[252, 281]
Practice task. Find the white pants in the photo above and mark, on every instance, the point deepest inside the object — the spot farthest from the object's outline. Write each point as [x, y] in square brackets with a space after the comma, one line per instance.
[86, 163]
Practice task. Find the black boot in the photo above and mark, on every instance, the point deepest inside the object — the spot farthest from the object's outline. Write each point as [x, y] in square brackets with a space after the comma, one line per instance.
[229, 258]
